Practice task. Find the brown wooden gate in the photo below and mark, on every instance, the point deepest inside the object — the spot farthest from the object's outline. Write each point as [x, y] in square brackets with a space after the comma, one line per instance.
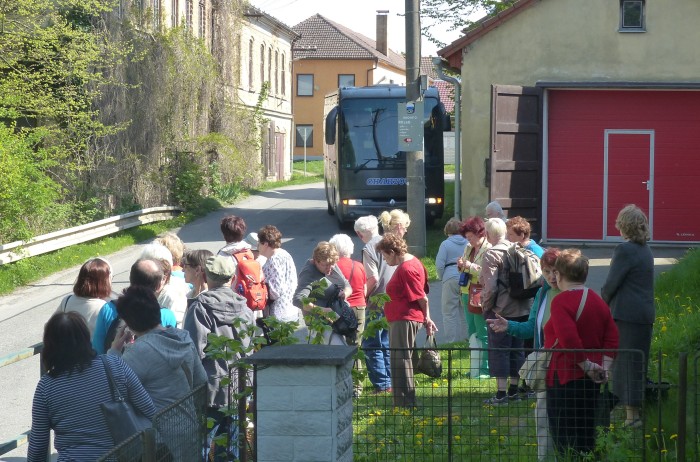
[516, 152]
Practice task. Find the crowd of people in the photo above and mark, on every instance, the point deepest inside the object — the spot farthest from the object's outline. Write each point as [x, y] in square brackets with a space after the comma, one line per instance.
[154, 333]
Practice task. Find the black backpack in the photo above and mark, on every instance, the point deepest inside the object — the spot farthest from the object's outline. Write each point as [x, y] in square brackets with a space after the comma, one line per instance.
[346, 324]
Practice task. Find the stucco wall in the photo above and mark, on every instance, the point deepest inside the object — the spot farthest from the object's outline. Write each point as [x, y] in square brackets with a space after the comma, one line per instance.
[278, 105]
[387, 75]
[569, 40]
[309, 109]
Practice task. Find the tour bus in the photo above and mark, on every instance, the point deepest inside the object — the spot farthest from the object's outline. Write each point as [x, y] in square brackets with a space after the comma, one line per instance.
[364, 169]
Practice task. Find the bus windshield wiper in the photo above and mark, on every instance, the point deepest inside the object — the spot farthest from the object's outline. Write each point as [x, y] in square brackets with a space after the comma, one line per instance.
[363, 165]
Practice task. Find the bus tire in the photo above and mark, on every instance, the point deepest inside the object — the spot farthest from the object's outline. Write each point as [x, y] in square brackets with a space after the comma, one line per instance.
[328, 202]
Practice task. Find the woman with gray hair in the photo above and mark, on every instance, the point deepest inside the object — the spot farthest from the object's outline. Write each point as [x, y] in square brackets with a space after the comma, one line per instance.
[494, 210]
[378, 275]
[629, 290]
[355, 274]
[450, 251]
[173, 294]
[505, 351]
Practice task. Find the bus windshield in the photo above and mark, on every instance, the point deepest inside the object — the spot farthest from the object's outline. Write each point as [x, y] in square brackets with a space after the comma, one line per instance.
[369, 133]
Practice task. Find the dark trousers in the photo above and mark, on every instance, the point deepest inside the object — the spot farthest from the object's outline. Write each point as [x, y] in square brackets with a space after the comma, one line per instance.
[571, 409]
[504, 364]
[402, 340]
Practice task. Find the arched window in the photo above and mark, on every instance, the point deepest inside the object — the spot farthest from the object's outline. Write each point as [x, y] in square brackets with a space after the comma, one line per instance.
[202, 19]
[283, 77]
[175, 13]
[250, 64]
[156, 15]
[188, 14]
[262, 65]
[277, 69]
[269, 68]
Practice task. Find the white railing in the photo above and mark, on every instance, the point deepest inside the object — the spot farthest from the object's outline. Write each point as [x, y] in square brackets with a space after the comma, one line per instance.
[59, 239]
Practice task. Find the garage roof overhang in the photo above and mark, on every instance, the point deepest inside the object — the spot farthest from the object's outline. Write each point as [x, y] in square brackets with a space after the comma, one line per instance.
[619, 85]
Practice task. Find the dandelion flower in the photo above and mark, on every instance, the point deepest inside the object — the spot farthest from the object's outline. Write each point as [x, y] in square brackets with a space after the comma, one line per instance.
[673, 437]
[493, 431]
[457, 437]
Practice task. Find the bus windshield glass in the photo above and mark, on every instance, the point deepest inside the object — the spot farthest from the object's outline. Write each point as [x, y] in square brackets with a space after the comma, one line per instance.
[369, 133]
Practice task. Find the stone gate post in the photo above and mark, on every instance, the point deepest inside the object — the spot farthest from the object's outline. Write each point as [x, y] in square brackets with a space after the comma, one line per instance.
[304, 403]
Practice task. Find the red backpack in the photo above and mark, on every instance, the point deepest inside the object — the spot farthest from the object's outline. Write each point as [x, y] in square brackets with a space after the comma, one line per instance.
[250, 281]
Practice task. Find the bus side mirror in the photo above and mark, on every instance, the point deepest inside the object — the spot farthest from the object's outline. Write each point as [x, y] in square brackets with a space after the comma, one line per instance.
[330, 125]
[447, 125]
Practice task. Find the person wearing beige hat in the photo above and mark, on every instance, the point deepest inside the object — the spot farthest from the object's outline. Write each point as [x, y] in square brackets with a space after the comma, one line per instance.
[214, 312]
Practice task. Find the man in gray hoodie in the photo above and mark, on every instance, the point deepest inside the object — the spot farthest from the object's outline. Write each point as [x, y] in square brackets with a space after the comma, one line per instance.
[214, 312]
[167, 364]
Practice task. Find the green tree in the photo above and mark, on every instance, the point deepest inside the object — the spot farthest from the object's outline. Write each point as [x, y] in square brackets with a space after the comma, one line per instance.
[456, 13]
[25, 184]
[53, 62]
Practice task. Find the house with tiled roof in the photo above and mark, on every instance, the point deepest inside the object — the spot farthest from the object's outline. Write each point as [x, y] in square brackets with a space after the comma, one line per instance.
[445, 89]
[573, 109]
[328, 55]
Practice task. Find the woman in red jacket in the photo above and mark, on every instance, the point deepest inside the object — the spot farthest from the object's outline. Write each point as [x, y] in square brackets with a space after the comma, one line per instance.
[406, 312]
[580, 320]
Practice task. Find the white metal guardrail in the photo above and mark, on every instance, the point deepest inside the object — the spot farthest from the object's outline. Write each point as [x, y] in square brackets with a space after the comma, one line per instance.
[59, 239]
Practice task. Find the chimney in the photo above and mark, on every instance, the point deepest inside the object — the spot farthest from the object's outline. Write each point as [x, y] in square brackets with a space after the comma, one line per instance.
[381, 44]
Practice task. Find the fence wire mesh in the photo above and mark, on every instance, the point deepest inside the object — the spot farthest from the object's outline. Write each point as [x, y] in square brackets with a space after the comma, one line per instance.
[460, 418]
[179, 434]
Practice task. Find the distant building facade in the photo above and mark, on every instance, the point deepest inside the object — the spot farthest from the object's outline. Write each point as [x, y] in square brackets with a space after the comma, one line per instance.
[327, 56]
[265, 46]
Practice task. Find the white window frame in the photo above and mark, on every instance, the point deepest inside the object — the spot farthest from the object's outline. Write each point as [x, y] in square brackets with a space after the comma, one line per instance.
[633, 28]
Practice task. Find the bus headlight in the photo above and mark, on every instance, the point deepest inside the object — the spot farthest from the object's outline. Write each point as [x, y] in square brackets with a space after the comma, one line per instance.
[433, 200]
[352, 201]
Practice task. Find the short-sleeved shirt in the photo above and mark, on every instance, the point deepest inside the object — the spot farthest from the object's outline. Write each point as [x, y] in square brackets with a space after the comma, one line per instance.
[376, 267]
[357, 282]
[408, 285]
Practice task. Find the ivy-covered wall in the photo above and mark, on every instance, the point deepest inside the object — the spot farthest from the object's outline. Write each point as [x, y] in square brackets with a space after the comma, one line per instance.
[103, 111]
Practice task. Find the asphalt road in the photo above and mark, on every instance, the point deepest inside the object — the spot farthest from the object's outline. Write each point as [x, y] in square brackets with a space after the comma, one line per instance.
[298, 211]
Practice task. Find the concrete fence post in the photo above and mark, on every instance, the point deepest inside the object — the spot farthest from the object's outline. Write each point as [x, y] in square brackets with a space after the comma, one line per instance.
[304, 403]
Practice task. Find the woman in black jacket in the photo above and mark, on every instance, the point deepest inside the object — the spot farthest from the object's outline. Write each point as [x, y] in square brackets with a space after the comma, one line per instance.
[629, 290]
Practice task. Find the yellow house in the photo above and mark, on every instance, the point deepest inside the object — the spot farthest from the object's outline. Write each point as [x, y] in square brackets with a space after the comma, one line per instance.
[327, 56]
[572, 109]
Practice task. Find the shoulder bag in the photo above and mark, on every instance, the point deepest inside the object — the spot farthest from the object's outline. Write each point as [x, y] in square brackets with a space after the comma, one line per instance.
[534, 369]
[123, 421]
[475, 288]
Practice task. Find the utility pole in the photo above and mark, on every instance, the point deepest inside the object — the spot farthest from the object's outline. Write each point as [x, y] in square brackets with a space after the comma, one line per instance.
[415, 173]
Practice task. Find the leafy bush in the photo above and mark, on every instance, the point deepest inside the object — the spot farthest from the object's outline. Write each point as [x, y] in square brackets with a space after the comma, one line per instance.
[28, 190]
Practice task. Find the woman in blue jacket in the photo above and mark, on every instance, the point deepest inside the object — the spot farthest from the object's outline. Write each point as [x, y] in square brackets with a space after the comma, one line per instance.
[450, 252]
[534, 328]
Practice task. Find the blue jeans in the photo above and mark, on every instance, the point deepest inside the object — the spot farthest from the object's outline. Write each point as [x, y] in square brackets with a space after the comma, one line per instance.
[377, 358]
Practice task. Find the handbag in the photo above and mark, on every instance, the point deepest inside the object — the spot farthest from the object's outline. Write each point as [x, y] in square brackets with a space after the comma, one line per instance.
[346, 324]
[475, 298]
[429, 362]
[534, 369]
[123, 421]
[464, 279]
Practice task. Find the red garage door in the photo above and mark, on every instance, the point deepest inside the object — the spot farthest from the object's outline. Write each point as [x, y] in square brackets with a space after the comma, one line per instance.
[608, 148]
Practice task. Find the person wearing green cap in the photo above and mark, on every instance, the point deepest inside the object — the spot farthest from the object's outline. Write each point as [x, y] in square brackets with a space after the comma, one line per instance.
[214, 312]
